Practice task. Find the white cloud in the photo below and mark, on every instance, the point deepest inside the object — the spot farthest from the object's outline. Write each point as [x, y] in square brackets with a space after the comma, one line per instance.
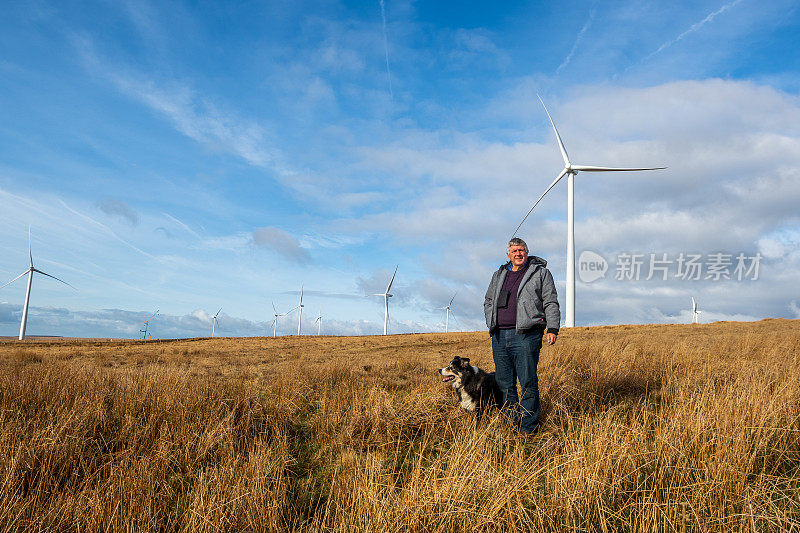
[191, 113]
[281, 242]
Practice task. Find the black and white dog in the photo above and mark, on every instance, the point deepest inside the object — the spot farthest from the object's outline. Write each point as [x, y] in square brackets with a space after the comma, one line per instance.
[477, 390]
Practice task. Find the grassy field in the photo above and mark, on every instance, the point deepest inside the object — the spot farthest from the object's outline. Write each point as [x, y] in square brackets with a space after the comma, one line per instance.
[656, 428]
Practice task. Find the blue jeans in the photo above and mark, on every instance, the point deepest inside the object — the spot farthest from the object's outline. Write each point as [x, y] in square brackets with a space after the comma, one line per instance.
[516, 356]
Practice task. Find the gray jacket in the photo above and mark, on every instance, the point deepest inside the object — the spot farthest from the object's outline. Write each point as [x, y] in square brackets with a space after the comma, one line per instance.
[537, 301]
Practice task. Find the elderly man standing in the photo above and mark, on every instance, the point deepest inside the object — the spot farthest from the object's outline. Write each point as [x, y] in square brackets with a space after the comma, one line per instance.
[520, 305]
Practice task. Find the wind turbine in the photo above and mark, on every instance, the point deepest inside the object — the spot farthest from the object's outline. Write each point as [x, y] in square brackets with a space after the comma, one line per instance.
[319, 323]
[695, 312]
[571, 171]
[300, 307]
[275, 320]
[214, 325]
[146, 324]
[447, 314]
[386, 297]
[31, 269]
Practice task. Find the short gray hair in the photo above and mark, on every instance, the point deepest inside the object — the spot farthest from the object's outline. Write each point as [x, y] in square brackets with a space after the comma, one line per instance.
[516, 241]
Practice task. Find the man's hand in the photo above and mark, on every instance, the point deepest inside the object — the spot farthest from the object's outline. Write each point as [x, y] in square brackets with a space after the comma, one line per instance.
[551, 338]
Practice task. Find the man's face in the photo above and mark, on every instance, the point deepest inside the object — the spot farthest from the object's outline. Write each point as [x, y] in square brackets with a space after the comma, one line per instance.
[517, 255]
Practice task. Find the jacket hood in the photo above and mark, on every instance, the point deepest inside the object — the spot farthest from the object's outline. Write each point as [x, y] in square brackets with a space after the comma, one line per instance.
[533, 260]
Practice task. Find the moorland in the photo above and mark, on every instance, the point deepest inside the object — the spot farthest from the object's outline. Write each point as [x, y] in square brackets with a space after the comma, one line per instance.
[655, 427]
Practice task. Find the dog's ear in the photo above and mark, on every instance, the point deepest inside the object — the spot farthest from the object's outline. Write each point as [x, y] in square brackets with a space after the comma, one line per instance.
[465, 362]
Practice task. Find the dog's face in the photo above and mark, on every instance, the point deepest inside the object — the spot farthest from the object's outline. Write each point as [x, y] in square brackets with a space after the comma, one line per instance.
[458, 369]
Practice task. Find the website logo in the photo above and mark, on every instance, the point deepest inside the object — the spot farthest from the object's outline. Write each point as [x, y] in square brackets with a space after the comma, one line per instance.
[591, 266]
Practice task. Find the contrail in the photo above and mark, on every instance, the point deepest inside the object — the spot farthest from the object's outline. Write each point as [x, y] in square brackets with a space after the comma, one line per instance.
[694, 27]
[106, 228]
[386, 49]
[577, 40]
[184, 226]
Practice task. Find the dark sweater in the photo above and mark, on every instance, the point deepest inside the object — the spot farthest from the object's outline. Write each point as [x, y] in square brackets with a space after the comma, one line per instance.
[507, 316]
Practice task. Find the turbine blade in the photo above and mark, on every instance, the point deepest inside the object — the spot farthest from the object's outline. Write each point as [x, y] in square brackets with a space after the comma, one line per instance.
[392, 280]
[220, 309]
[453, 315]
[563, 173]
[30, 253]
[558, 137]
[586, 168]
[301, 296]
[451, 299]
[15, 279]
[55, 278]
[273, 308]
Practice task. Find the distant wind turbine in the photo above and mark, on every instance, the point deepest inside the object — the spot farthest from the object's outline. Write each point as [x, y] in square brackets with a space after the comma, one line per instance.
[318, 320]
[571, 170]
[146, 324]
[214, 324]
[695, 312]
[386, 297]
[275, 320]
[31, 269]
[447, 313]
[300, 307]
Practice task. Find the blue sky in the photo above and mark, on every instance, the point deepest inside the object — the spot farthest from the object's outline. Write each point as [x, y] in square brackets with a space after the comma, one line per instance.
[191, 156]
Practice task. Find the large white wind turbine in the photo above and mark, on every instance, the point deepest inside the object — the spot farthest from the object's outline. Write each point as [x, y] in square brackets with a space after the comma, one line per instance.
[386, 297]
[214, 325]
[570, 171]
[447, 313]
[695, 312]
[300, 307]
[275, 320]
[31, 269]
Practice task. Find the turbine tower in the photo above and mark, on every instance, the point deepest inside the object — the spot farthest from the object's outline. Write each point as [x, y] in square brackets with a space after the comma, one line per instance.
[214, 325]
[695, 312]
[318, 320]
[31, 269]
[275, 320]
[447, 313]
[146, 324]
[386, 297]
[300, 307]
[571, 171]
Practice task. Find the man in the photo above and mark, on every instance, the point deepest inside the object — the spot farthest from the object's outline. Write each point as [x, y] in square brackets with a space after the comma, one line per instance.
[521, 304]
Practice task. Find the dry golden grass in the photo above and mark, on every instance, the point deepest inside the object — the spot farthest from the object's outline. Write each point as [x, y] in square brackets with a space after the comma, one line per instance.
[657, 428]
